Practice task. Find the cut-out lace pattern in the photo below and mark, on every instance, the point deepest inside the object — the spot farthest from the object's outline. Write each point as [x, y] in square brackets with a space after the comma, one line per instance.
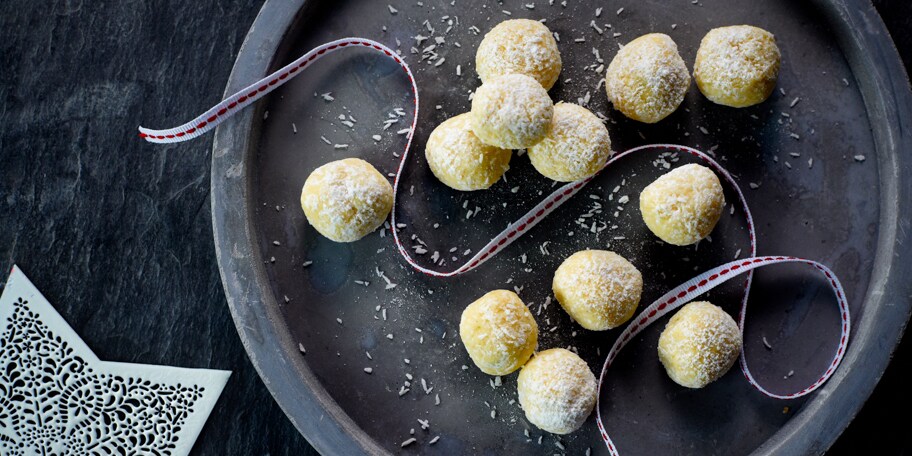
[52, 402]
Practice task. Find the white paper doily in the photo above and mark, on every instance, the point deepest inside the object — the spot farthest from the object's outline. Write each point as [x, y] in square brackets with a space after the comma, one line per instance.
[58, 398]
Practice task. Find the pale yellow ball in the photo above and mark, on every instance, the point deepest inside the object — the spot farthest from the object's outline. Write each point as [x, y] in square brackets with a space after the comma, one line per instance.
[647, 79]
[499, 332]
[576, 147]
[599, 289]
[512, 111]
[460, 160]
[737, 66]
[699, 344]
[557, 391]
[520, 46]
[683, 206]
[346, 199]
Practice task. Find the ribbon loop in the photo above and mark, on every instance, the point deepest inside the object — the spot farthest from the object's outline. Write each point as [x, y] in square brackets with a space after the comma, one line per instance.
[675, 298]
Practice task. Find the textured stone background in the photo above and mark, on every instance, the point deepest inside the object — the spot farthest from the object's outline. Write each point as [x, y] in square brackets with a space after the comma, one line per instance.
[117, 232]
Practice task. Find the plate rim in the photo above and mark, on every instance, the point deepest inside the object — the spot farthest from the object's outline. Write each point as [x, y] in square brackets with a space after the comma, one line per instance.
[882, 80]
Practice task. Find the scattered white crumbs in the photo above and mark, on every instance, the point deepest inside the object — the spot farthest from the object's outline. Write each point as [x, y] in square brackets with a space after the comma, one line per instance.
[294, 128]
[794, 102]
[619, 11]
[859, 158]
[368, 370]
[301, 348]
[339, 321]
[393, 11]
[340, 146]
[411, 440]
[434, 440]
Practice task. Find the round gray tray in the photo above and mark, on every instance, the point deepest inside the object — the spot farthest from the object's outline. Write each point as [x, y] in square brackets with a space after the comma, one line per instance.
[857, 220]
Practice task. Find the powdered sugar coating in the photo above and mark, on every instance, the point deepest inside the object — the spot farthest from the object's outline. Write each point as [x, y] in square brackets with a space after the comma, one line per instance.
[683, 206]
[737, 66]
[511, 112]
[460, 160]
[499, 332]
[599, 289]
[557, 391]
[699, 344]
[576, 147]
[346, 199]
[520, 46]
[647, 79]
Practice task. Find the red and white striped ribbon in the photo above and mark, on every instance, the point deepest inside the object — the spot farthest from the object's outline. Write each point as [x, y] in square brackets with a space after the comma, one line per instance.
[675, 298]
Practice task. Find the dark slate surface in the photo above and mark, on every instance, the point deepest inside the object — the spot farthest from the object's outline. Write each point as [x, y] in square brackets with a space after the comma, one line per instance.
[117, 233]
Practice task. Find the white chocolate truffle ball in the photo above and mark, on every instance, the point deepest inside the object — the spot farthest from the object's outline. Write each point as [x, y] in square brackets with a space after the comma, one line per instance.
[576, 147]
[647, 79]
[599, 289]
[683, 206]
[512, 111]
[346, 199]
[460, 160]
[699, 344]
[519, 46]
[737, 66]
[557, 391]
[499, 332]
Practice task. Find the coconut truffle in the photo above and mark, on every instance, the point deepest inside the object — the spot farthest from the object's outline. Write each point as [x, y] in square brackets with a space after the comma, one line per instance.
[460, 160]
[576, 147]
[699, 344]
[599, 289]
[557, 391]
[683, 206]
[346, 199]
[519, 46]
[647, 79]
[737, 66]
[499, 332]
[511, 112]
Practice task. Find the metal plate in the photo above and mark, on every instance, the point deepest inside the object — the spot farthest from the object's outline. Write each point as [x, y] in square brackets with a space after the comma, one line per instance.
[852, 215]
